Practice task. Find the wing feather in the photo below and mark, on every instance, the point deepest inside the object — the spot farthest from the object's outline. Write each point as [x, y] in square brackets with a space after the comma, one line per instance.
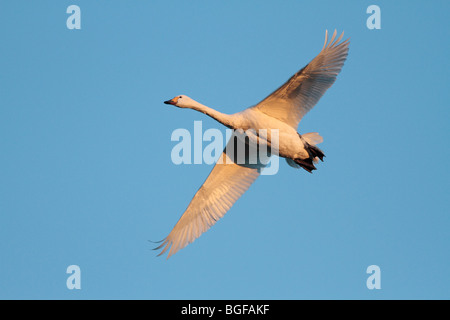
[291, 101]
[226, 183]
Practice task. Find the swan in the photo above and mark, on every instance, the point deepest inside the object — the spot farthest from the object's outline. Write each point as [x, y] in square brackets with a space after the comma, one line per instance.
[281, 110]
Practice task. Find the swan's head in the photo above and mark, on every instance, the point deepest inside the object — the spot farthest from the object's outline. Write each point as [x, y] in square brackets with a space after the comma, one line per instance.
[181, 101]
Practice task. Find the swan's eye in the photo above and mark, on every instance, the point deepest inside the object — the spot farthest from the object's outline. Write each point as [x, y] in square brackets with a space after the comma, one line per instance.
[179, 97]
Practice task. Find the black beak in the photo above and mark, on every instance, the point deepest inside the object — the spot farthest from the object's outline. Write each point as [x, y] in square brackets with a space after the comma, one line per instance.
[168, 102]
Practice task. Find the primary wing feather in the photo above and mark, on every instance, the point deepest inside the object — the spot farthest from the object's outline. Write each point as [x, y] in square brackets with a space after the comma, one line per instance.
[226, 183]
[290, 102]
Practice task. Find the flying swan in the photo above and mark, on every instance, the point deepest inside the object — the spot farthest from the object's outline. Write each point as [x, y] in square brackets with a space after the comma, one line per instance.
[282, 110]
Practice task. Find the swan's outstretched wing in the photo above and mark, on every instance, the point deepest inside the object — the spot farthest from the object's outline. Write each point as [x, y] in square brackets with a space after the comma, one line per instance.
[226, 183]
[291, 101]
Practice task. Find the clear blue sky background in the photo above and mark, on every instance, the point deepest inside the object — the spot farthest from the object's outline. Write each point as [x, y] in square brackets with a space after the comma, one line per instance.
[86, 176]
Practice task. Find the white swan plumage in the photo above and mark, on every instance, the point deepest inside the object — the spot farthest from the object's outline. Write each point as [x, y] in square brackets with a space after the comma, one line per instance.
[283, 109]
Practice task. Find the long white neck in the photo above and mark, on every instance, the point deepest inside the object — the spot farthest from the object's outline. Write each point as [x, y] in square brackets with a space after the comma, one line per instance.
[223, 118]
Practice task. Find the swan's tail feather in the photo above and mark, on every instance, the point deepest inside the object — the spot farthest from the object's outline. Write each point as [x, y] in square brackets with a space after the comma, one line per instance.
[312, 138]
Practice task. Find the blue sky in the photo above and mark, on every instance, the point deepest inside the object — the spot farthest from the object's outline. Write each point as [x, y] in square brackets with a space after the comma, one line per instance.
[87, 179]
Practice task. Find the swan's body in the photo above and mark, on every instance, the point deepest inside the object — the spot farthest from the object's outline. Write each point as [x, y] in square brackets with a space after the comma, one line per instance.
[282, 110]
[290, 144]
